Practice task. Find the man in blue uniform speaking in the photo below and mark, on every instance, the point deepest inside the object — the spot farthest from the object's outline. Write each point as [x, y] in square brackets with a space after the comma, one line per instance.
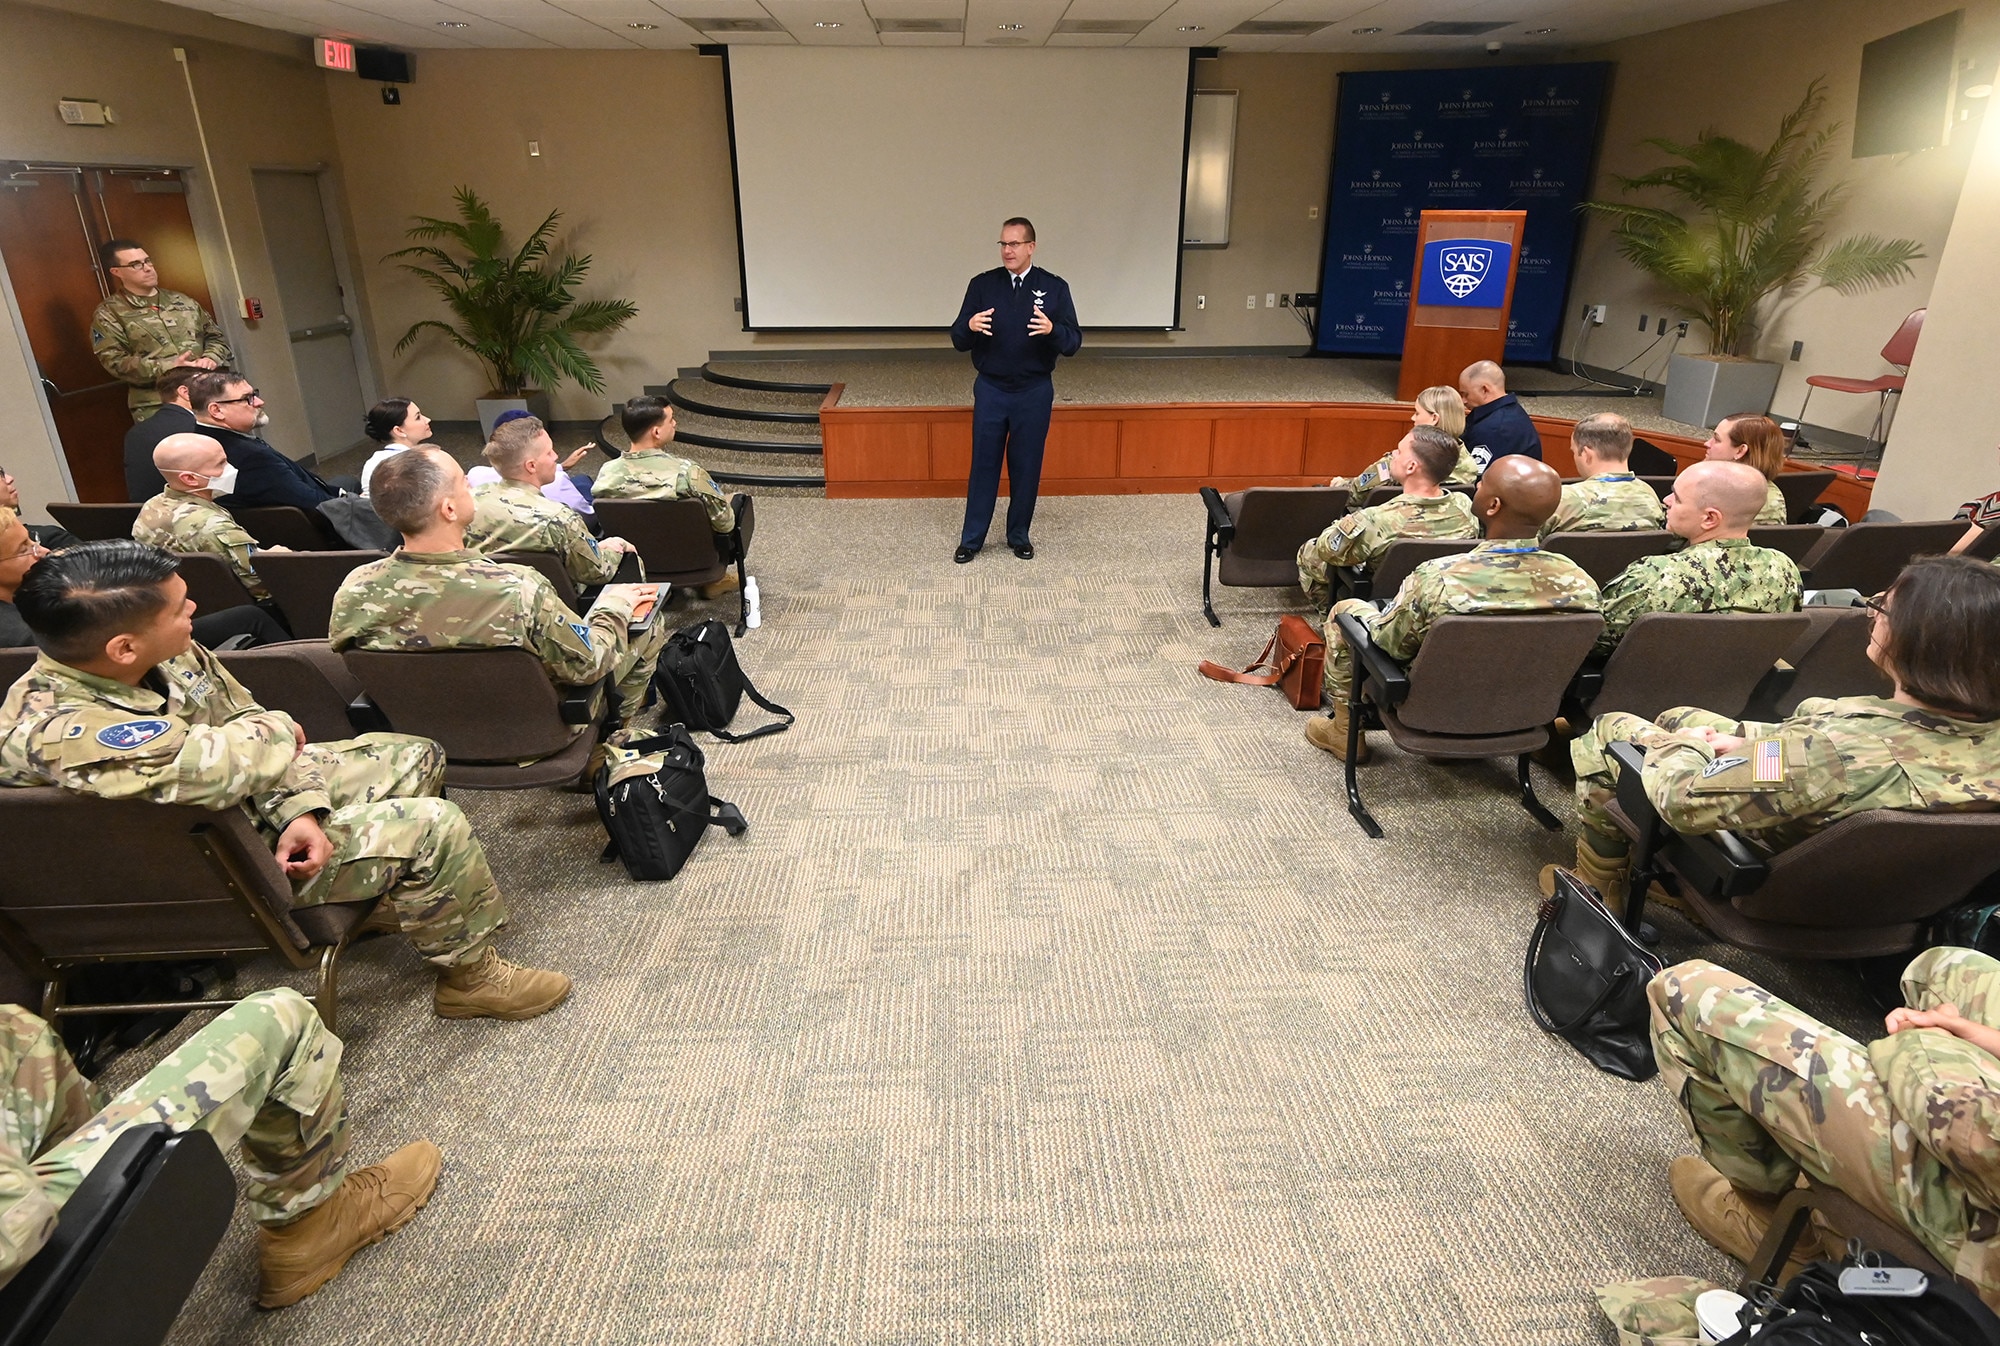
[1016, 319]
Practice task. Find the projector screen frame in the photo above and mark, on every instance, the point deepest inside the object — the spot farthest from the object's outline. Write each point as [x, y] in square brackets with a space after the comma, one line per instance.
[721, 50]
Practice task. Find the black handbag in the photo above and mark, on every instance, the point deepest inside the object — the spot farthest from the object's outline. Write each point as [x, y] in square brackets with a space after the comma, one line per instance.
[1585, 980]
[702, 684]
[1813, 1310]
[652, 796]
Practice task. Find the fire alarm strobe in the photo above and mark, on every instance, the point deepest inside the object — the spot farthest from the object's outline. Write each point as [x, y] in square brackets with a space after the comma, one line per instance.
[253, 309]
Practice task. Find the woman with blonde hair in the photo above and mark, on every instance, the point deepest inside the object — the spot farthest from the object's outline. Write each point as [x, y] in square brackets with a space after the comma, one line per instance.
[1440, 406]
[1758, 441]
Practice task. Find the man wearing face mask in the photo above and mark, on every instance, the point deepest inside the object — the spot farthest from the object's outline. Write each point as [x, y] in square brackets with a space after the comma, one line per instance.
[231, 412]
[185, 517]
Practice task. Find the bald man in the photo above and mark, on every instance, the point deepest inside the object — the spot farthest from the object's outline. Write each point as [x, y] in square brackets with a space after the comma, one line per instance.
[185, 517]
[1508, 572]
[1720, 570]
[1495, 423]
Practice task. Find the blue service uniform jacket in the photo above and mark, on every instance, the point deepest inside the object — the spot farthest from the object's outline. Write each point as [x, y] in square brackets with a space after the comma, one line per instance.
[1499, 428]
[1009, 356]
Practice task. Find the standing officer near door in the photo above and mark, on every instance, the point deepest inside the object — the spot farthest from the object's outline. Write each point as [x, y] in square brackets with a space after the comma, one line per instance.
[1016, 319]
[142, 331]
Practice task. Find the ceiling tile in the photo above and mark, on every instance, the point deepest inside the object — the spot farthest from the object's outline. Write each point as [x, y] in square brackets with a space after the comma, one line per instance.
[1211, 18]
[917, 9]
[801, 18]
[921, 39]
[1088, 40]
[1117, 9]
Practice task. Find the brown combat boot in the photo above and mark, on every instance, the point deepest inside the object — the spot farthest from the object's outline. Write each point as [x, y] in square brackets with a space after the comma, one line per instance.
[728, 584]
[296, 1259]
[493, 988]
[1730, 1218]
[1329, 732]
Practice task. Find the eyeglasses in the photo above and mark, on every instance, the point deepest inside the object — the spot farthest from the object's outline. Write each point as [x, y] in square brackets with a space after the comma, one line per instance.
[251, 396]
[1876, 605]
[140, 264]
[28, 548]
[1024, 243]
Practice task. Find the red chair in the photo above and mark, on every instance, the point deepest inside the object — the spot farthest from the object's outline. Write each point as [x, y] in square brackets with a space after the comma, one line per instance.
[1900, 350]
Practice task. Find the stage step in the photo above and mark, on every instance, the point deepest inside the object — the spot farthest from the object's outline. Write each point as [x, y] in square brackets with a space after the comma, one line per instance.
[747, 381]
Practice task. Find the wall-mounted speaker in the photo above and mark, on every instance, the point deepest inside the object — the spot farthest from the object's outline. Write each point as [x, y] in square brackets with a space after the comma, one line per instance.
[385, 64]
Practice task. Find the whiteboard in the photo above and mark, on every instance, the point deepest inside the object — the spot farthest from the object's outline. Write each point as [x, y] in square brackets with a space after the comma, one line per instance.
[1211, 168]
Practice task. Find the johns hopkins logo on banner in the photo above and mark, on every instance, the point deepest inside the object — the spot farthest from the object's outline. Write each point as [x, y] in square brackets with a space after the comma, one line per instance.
[1465, 272]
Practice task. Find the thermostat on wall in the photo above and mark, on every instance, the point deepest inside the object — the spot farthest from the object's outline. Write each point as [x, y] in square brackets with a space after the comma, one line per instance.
[83, 112]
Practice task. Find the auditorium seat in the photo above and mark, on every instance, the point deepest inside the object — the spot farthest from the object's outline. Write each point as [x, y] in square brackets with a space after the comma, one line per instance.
[95, 523]
[309, 682]
[551, 568]
[303, 584]
[1795, 540]
[1829, 658]
[1714, 660]
[288, 526]
[14, 664]
[1379, 585]
[1604, 556]
[1257, 535]
[1802, 490]
[1868, 556]
[211, 583]
[679, 547]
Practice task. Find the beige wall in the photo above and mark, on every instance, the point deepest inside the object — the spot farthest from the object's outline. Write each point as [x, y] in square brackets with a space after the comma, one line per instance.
[1739, 74]
[1941, 450]
[261, 108]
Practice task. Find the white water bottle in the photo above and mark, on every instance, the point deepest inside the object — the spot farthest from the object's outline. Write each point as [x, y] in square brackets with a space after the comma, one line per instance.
[753, 618]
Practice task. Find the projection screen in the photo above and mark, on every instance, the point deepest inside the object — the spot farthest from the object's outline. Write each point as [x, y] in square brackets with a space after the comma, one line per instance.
[871, 183]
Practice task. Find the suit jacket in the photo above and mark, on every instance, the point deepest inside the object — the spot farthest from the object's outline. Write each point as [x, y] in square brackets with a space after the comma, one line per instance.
[142, 480]
[266, 477]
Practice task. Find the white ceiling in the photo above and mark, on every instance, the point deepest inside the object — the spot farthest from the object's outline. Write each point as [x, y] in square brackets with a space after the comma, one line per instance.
[1003, 23]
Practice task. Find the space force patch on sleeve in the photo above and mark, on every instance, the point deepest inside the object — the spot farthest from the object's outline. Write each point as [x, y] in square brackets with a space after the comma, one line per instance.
[1720, 765]
[582, 632]
[129, 734]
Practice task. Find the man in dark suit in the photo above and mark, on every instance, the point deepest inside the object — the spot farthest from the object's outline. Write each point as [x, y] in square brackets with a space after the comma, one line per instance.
[142, 480]
[229, 410]
[1495, 422]
[1016, 320]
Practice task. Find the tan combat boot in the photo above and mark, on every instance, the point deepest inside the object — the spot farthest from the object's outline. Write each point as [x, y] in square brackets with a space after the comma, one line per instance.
[1730, 1218]
[728, 584]
[1329, 732]
[493, 988]
[296, 1259]
[1608, 877]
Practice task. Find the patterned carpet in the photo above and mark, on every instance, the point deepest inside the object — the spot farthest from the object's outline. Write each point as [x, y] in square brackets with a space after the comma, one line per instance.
[1051, 998]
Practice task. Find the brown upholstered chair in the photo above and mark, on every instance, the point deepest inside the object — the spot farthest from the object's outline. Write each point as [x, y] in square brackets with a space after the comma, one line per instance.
[1257, 535]
[211, 583]
[1830, 658]
[1382, 495]
[288, 526]
[1480, 686]
[1714, 660]
[1795, 540]
[14, 663]
[1604, 556]
[303, 584]
[1865, 887]
[550, 566]
[104, 881]
[1802, 490]
[503, 725]
[309, 682]
[1662, 486]
[678, 546]
[1379, 585]
[100, 523]
[1869, 556]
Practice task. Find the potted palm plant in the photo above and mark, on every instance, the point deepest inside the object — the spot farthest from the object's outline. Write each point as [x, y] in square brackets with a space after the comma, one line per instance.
[1756, 229]
[515, 311]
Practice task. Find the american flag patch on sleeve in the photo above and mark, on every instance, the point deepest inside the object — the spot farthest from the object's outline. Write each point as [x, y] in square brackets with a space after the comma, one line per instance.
[1767, 761]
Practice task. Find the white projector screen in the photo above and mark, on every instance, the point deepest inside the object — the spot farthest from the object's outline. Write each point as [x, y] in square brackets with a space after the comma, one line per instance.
[871, 183]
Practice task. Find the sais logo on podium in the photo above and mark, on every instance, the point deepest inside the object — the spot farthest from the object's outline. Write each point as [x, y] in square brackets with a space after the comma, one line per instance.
[1465, 272]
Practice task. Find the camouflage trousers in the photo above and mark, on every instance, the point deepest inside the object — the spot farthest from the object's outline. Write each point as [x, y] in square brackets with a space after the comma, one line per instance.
[1767, 1091]
[1339, 658]
[264, 1073]
[1597, 773]
[1316, 573]
[392, 836]
[634, 668]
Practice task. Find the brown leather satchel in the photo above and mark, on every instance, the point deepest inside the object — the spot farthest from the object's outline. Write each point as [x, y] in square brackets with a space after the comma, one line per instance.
[1296, 657]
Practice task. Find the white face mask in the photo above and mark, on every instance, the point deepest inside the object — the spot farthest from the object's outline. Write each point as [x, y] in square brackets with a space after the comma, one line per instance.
[224, 483]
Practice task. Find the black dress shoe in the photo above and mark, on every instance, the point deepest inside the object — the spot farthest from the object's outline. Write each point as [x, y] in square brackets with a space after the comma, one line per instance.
[964, 554]
[1026, 551]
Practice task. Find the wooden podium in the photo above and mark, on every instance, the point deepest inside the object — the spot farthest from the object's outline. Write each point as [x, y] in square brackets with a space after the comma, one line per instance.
[1460, 296]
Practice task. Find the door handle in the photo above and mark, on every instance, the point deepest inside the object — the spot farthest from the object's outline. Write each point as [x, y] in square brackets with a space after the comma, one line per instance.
[50, 385]
[341, 326]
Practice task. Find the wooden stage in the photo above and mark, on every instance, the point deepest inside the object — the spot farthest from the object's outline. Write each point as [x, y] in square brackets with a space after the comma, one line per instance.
[1165, 448]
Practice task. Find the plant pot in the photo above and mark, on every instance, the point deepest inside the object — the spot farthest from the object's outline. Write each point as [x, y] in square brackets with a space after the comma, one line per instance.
[490, 408]
[1701, 389]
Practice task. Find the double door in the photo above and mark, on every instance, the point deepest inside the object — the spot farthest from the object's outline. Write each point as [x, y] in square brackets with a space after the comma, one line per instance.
[53, 217]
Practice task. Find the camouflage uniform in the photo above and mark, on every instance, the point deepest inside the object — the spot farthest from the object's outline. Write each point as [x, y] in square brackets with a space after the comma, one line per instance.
[1360, 539]
[138, 340]
[1499, 576]
[1463, 473]
[462, 601]
[265, 1072]
[1833, 758]
[1774, 506]
[184, 522]
[192, 735]
[513, 516]
[1902, 1125]
[1610, 502]
[1723, 574]
[658, 475]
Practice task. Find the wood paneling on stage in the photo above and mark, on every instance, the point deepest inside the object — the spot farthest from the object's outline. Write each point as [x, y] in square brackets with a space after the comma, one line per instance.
[1162, 447]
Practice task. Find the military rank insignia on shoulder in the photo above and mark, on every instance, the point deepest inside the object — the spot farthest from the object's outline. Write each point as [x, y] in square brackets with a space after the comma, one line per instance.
[129, 734]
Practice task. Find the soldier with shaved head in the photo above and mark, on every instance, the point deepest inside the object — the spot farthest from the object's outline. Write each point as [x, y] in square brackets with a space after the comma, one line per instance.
[185, 518]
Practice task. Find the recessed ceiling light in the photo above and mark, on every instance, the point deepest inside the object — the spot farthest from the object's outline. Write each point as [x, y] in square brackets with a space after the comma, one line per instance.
[825, 23]
[643, 27]
[1009, 27]
[1190, 28]
[1540, 32]
[1366, 32]
[1980, 91]
[452, 23]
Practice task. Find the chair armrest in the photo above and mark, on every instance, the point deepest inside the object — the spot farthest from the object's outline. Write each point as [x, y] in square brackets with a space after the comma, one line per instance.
[1631, 790]
[238, 642]
[1588, 682]
[1220, 526]
[1358, 583]
[367, 717]
[746, 524]
[580, 704]
[1379, 667]
[1719, 864]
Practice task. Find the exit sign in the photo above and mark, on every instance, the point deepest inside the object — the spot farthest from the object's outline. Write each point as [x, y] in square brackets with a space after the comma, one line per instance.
[330, 53]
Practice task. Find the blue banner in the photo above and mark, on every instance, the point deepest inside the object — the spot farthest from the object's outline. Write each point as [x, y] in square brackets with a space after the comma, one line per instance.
[1508, 138]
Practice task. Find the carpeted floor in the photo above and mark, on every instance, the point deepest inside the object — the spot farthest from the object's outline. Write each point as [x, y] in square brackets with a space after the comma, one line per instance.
[1051, 998]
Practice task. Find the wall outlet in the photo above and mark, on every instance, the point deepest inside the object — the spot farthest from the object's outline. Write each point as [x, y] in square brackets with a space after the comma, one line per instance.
[737, 303]
[1284, 301]
[1201, 301]
[1270, 299]
[1312, 212]
[1798, 349]
[1252, 301]
[1597, 315]
[1644, 322]
[534, 149]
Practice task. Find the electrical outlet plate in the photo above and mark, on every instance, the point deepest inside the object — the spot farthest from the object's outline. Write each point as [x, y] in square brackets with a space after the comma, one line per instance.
[1597, 314]
[1252, 301]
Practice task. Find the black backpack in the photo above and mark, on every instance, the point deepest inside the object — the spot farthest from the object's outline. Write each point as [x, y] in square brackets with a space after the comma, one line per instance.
[1812, 1310]
[702, 684]
[652, 796]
